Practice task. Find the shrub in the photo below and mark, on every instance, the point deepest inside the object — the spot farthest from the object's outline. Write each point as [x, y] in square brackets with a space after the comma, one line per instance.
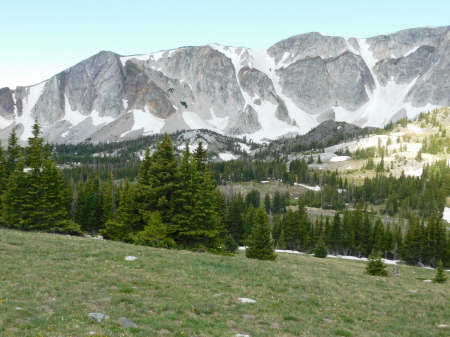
[375, 266]
[321, 249]
[230, 244]
[440, 275]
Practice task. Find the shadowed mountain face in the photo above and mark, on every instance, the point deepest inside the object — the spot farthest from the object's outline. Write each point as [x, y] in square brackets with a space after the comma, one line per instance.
[287, 89]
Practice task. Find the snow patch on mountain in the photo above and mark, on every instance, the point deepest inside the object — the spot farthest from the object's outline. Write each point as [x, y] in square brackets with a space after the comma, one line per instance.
[226, 156]
[97, 120]
[145, 120]
[217, 123]
[339, 159]
[26, 119]
[74, 117]
[143, 57]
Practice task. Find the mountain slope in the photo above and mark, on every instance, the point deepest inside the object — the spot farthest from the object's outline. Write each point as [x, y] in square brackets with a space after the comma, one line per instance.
[287, 89]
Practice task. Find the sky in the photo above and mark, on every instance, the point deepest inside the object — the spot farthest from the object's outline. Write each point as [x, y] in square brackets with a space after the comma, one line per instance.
[39, 39]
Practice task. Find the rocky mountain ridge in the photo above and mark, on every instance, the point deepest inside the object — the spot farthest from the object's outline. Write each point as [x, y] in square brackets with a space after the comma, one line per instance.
[287, 89]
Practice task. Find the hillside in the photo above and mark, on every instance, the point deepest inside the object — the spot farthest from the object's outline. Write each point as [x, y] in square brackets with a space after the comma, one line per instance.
[50, 283]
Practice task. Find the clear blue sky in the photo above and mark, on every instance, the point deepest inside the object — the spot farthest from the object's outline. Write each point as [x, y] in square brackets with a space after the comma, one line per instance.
[39, 38]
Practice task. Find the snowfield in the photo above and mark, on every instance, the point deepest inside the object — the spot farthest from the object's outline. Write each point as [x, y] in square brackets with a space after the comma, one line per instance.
[339, 158]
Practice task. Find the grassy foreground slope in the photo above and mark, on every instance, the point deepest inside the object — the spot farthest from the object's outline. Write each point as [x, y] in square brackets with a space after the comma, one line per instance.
[58, 280]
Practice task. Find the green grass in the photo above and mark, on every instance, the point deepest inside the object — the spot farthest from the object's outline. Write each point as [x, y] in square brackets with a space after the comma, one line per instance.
[58, 280]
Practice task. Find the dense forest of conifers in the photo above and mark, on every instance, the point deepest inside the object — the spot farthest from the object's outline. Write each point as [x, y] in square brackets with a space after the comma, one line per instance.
[170, 201]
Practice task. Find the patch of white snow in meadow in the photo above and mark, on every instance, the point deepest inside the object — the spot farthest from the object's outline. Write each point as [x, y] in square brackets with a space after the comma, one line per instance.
[339, 159]
[315, 188]
[345, 257]
[226, 156]
[246, 300]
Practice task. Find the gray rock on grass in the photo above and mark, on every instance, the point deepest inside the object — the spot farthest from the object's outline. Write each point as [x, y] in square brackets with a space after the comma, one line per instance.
[127, 323]
[98, 316]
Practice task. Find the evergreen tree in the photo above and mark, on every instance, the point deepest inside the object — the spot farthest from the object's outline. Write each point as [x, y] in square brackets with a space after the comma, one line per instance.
[234, 220]
[108, 198]
[161, 176]
[14, 154]
[35, 198]
[249, 221]
[290, 230]
[260, 245]
[128, 217]
[194, 194]
[3, 178]
[336, 234]
[412, 247]
[267, 203]
[321, 249]
[440, 274]
[282, 241]
[253, 197]
[375, 266]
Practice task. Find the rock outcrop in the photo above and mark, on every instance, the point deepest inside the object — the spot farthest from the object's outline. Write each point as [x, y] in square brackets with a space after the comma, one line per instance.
[289, 88]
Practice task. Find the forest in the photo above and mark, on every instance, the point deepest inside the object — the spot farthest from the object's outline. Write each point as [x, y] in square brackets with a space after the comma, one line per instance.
[174, 201]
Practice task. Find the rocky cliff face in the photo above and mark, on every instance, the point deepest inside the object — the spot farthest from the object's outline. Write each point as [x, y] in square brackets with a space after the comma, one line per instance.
[289, 88]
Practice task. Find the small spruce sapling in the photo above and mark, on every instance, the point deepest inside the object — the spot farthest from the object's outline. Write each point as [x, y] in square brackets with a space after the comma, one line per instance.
[321, 249]
[260, 245]
[440, 274]
[375, 266]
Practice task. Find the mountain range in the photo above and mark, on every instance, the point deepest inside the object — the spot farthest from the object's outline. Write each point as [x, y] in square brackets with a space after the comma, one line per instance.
[287, 89]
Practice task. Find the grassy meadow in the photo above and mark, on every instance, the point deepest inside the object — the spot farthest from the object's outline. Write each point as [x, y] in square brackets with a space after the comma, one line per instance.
[49, 284]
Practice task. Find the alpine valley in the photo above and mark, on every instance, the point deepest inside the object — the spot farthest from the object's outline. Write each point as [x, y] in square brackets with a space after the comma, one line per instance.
[287, 89]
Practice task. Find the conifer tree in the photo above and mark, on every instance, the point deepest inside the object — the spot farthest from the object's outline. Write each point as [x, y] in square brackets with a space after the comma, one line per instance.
[128, 218]
[108, 198]
[375, 266]
[267, 203]
[195, 215]
[253, 198]
[260, 245]
[248, 222]
[234, 220]
[282, 241]
[290, 230]
[14, 152]
[3, 178]
[35, 198]
[321, 249]
[336, 234]
[440, 274]
[162, 175]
